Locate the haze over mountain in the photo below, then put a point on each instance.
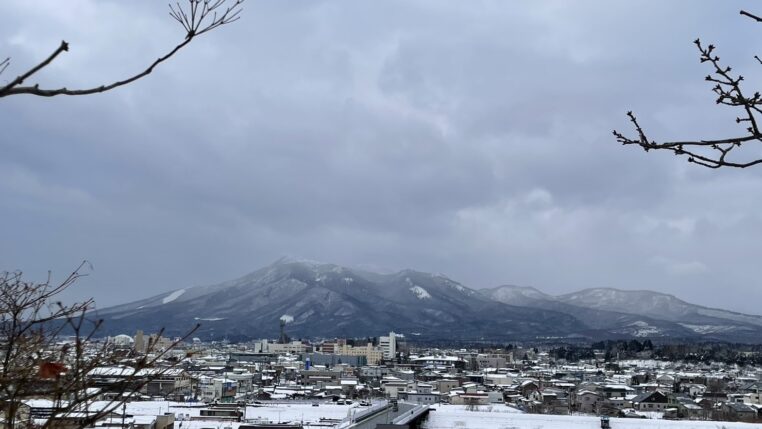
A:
(326, 300)
(639, 313)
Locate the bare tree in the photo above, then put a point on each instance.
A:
(715, 153)
(38, 362)
(35, 361)
(196, 18)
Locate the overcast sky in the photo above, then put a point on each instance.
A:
(471, 138)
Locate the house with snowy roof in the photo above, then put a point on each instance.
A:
(445, 385)
(549, 401)
(616, 390)
(652, 401)
(665, 380)
(422, 393)
(736, 411)
(393, 386)
(498, 379)
(473, 397)
(170, 383)
(688, 408)
(526, 387)
(753, 387)
(439, 362)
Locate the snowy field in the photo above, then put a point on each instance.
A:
(502, 417)
(289, 411)
(299, 412)
(441, 417)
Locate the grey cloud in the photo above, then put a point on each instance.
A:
(470, 138)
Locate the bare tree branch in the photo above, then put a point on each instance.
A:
(713, 153)
(37, 364)
(200, 17)
(752, 16)
(196, 24)
(21, 78)
(4, 64)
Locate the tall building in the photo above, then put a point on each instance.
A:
(140, 344)
(388, 345)
(157, 342)
(328, 348)
(296, 347)
(372, 354)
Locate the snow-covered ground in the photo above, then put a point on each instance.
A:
(299, 412)
(172, 296)
(289, 411)
(441, 417)
(502, 417)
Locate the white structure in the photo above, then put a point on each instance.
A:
(121, 341)
(294, 347)
(214, 389)
(388, 345)
(261, 346)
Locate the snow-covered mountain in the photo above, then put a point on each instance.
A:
(655, 304)
(638, 313)
(325, 300)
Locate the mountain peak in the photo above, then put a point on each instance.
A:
(289, 260)
(517, 295)
(327, 300)
(607, 296)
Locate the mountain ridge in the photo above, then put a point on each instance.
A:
(643, 310)
(328, 300)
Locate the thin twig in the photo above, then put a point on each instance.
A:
(750, 15)
(4, 64)
(713, 153)
(21, 78)
(203, 16)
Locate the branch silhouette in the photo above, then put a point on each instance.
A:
(714, 153)
(196, 18)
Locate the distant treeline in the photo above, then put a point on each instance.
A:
(706, 352)
(730, 353)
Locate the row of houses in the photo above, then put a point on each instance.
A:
(336, 370)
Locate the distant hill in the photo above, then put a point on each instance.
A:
(638, 313)
(326, 300)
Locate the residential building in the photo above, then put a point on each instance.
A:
(388, 345)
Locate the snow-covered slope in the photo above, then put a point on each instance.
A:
(655, 304)
(518, 295)
(638, 313)
(325, 300)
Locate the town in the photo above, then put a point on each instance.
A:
(380, 214)
(335, 382)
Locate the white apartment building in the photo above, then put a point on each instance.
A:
(294, 347)
(216, 389)
(388, 345)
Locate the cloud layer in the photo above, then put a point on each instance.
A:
(470, 138)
